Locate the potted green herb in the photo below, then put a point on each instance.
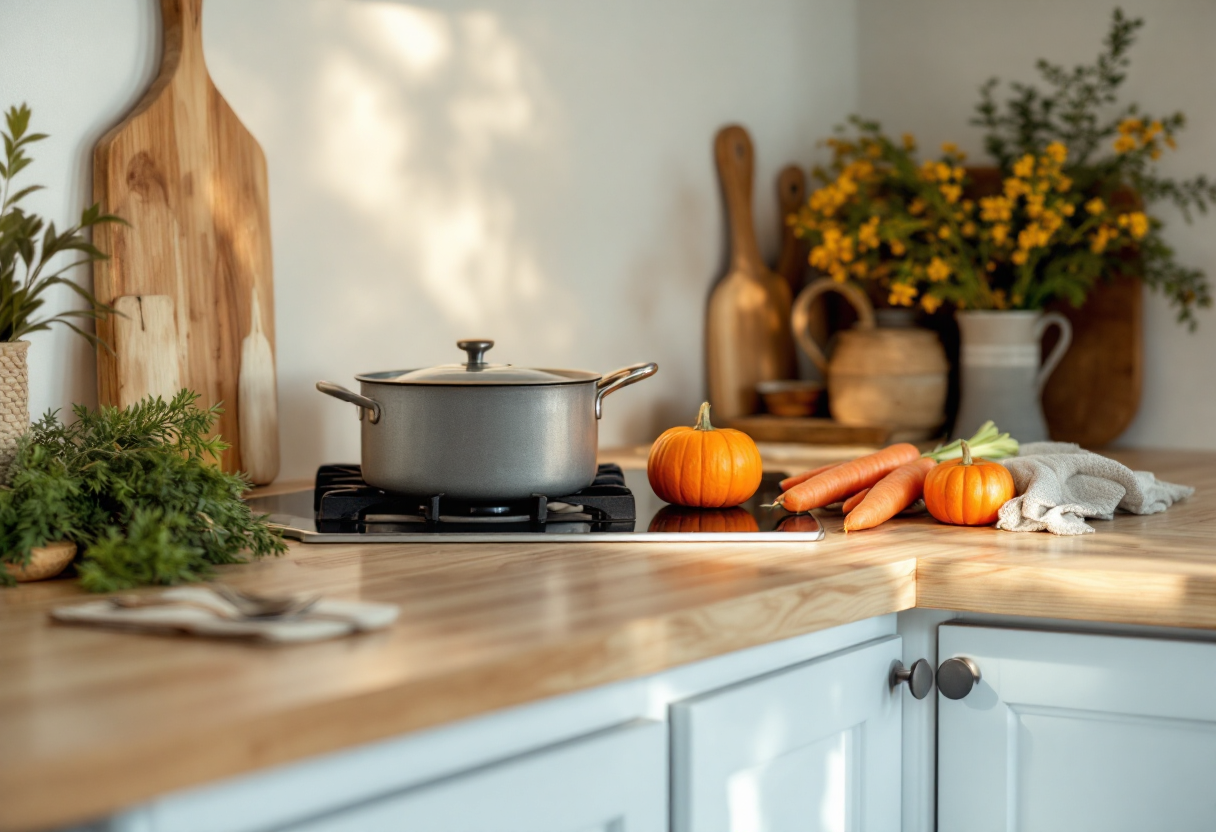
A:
(30, 265)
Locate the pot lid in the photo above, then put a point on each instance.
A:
(476, 371)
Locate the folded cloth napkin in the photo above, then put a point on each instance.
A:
(1059, 484)
(199, 610)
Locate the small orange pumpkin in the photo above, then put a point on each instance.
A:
(704, 466)
(681, 519)
(968, 492)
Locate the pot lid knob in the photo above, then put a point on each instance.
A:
(476, 351)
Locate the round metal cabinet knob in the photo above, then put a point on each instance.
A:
(919, 677)
(956, 677)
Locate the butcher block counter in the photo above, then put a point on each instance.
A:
(92, 721)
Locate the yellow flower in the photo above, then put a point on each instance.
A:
(949, 148)
(1063, 184)
(1101, 237)
(1125, 143)
(1170, 143)
(998, 299)
(930, 304)
(1000, 233)
(916, 207)
(1068, 210)
(1015, 188)
(1130, 125)
(898, 249)
(952, 193)
(909, 142)
(1155, 153)
(902, 294)
(1034, 205)
(1024, 168)
(995, 209)
(838, 273)
(938, 270)
(1152, 130)
(1019, 257)
(944, 232)
(943, 171)
(969, 229)
(867, 234)
(1058, 152)
(959, 173)
(1136, 222)
(1095, 206)
(990, 266)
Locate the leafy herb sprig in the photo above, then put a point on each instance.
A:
(134, 489)
(25, 275)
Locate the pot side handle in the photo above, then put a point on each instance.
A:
(363, 402)
(621, 378)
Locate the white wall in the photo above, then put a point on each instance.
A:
(538, 172)
(921, 64)
(79, 64)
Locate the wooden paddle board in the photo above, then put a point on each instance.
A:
(191, 181)
(747, 326)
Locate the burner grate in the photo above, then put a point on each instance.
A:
(343, 502)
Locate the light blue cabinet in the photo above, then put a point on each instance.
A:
(816, 747)
(615, 781)
(1078, 732)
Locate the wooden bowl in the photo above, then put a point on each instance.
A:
(790, 397)
(45, 562)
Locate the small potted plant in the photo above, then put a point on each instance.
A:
(30, 265)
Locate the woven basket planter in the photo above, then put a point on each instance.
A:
(14, 401)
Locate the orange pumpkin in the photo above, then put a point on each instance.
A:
(966, 491)
(681, 519)
(704, 466)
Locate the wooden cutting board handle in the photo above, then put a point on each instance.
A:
(736, 168)
(791, 196)
(191, 181)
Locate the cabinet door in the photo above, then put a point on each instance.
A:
(1077, 732)
(612, 782)
(815, 747)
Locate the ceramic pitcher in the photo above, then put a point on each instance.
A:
(894, 378)
(1001, 375)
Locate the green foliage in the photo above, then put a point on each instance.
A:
(1112, 153)
(135, 490)
(24, 259)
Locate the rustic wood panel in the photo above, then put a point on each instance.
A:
(191, 181)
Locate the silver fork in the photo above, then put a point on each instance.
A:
(252, 605)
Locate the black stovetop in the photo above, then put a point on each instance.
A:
(619, 505)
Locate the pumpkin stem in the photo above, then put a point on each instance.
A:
(703, 418)
(966, 452)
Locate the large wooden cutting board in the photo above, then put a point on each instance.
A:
(191, 181)
(747, 326)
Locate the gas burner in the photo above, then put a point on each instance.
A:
(343, 503)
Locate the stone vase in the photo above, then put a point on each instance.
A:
(1002, 375)
(14, 401)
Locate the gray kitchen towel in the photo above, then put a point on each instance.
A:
(1059, 484)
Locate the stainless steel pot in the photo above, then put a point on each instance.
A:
(482, 431)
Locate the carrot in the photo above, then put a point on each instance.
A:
(790, 482)
(893, 493)
(846, 480)
(852, 502)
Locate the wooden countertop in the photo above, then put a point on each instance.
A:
(92, 721)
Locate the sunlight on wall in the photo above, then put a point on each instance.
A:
(450, 225)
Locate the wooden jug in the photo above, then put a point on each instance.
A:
(894, 378)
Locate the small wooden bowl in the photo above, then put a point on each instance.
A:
(790, 397)
(45, 562)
